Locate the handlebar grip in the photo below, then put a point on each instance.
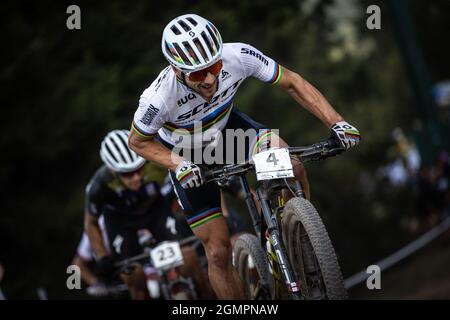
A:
(334, 143)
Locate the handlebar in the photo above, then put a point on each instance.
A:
(146, 255)
(315, 152)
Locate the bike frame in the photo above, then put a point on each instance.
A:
(269, 221)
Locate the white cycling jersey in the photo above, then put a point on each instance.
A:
(170, 108)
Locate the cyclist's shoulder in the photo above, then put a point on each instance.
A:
(99, 181)
(241, 51)
(237, 47)
(160, 88)
(232, 48)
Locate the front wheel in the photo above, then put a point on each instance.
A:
(250, 261)
(310, 252)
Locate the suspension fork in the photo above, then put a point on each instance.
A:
(251, 206)
(278, 247)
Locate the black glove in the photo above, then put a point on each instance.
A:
(105, 266)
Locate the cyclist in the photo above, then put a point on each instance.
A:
(125, 191)
(193, 97)
(84, 258)
(236, 226)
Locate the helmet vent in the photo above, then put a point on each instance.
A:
(184, 25)
(168, 50)
(192, 21)
(182, 55)
(208, 43)
(125, 145)
(175, 30)
(118, 148)
(200, 48)
(110, 152)
(191, 51)
(213, 36)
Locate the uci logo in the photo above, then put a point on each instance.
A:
(185, 99)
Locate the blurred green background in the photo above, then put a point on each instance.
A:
(63, 90)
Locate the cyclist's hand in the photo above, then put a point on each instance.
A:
(189, 175)
(347, 134)
(105, 266)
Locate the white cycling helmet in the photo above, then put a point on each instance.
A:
(116, 155)
(191, 43)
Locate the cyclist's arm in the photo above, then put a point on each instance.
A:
(309, 97)
(86, 274)
(92, 229)
(153, 151)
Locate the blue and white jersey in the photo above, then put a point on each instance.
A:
(170, 108)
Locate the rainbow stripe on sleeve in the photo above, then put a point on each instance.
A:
(277, 73)
(142, 134)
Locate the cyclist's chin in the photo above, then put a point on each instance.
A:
(207, 91)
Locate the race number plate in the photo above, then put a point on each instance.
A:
(273, 164)
(167, 255)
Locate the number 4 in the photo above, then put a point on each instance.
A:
(272, 158)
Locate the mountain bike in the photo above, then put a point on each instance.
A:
(163, 260)
(291, 255)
